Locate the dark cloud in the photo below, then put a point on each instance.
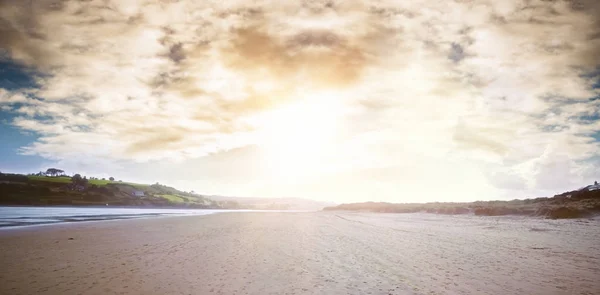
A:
(176, 53)
(22, 35)
(319, 6)
(457, 53)
(316, 38)
(320, 58)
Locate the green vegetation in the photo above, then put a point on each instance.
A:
(59, 179)
(59, 189)
(67, 179)
(174, 198)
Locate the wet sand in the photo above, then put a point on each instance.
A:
(304, 253)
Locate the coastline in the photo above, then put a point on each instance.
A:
(54, 215)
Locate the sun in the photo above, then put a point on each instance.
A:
(297, 136)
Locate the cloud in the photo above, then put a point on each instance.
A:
(498, 90)
(315, 58)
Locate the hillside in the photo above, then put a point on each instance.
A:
(584, 202)
(35, 190)
(40, 190)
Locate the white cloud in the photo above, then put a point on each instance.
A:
(481, 98)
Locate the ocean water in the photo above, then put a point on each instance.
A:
(26, 216)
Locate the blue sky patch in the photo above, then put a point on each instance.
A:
(11, 140)
(14, 76)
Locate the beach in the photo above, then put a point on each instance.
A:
(304, 253)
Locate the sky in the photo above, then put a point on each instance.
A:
(343, 101)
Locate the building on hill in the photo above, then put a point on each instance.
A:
(138, 193)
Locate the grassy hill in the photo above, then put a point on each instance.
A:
(16, 189)
(67, 180)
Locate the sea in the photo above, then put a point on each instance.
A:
(28, 216)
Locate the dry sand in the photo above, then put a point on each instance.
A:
(304, 253)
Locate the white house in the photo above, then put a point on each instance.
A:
(138, 193)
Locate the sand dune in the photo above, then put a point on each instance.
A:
(304, 253)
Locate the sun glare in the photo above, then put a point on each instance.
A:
(295, 136)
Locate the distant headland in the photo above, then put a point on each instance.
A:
(581, 203)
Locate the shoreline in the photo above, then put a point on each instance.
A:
(11, 217)
(84, 222)
(27, 225)
(78, 217)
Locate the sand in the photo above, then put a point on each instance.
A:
(304, 253)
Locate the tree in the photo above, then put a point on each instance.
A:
(111, 179)
(54, 172)
(78, 180)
